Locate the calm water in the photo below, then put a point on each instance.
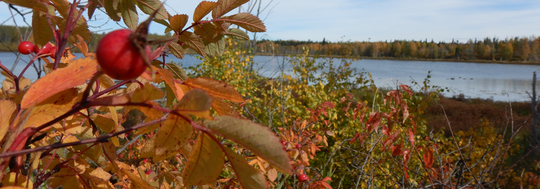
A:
(501, 82)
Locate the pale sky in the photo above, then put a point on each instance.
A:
(373, 20)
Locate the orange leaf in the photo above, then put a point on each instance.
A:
(226, 6)
(203, 9)
(246, 21)
(53, 107)
(178, 22)
(6, 113)
(136, 180)
(169, 80)
(249, 177)
(193, 41)
(222, 108)
(196, 102)
(216, 88)
(257, 138)
(411, 137)
(205, 162)
(75, 74)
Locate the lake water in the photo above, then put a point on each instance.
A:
(500, 82)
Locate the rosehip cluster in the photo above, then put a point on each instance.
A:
(27, 47)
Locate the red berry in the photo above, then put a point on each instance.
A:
(118, 57)
(26, 47)
(53, 52)
(149, 171)
(36, 49)
(46, 49)
(303, 177)
(298, 146)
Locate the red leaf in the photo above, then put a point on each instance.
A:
(411, 137)
(396, 150)
(428, 157)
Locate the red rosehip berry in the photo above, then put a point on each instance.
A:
(53, 52)
(118, 57)
(298, 146)
(26, 47)
(46, 48)
(303, 178)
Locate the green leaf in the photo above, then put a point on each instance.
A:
(216, 88)
(246, 21)
(112, 9)
(203, 9)
(249, 177)
(178, 22)
(205, 162)
(215, 49)
(177, 50)
(45, 34)
(237, 34)
(129, 14)
(150, 6)
(257, 138)
(226, 6)
(193, 41)
(177, 71)
(173, 134)
(196, 102)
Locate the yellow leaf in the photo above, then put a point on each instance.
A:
(9, 180)
(257, 138)
(249, 177)
(109, 151)
(216, 88)
(7, 113)
(205, 162)
(98, 175)
(136, 180)
(222, 108)
(53, 107)
(173, 134)
(59, 80)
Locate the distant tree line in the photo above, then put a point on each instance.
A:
(493, 49)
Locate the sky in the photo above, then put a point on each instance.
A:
(371, 20)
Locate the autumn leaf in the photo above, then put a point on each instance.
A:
(150, 6)
(39, 20)
(203, 9)
(246, 21)
(52, 107)
(237, 34)
(205, 162)
(226, 6)
(177, 22)
(222, 108)
(193, 41)
(136, 180)
(249, 177)
(216, 88)
(177, 50)
(170, 81)
(196, 102)
(33, 4)
(173, 134)
(257, 138)
(77, 73)
(129, 14)
(6, 114)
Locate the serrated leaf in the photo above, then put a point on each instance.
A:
(98, 175)
(222, 108)
(193, 41)
(246, 21)
(150, 6)
(257, 138)
(75, 74)
(33, 4)
(207, 31)
(226, 6)
(53, 107)
(177, 22)
(136, 180)
(7, 112)
(173, 134)
(45, 34)
(203, 9)
(249, 177)
(177, 71)
(129, 14)
(170, 81)
(196, 102)
(237, 34)
(205, 162)
(177, 50)
(109, 150)
(215, 49)
(216, 88)
(111, 7)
